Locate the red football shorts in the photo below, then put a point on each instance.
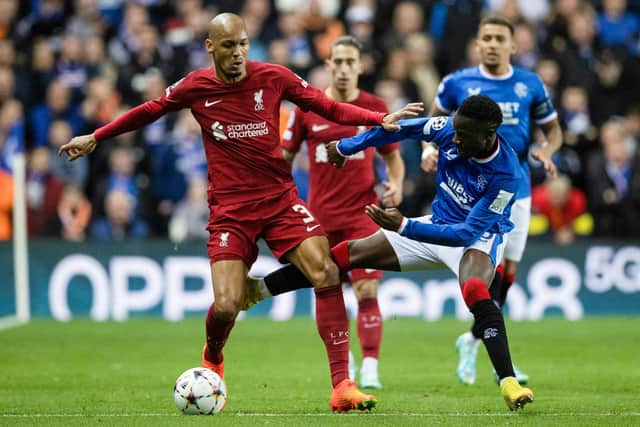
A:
(283, 222)
(356, 228)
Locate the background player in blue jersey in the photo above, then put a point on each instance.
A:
(521, 96)
(477, 179)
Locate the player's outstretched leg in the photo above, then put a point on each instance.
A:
(218, 331)
(489, 324)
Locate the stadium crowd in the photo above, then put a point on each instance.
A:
(67, 67)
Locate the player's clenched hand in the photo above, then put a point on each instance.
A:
(412, 109)
(78, 146)
(389, 218)
(429, 163)
(545, 159)
(333, 156)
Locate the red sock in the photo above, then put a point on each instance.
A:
(369, 327)
(217, 333)
(340, 255)
(474, 290)
(333, 326)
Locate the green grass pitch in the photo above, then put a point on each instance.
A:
(83, 373)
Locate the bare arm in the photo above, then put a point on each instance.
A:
(288, 155)
(395, 172)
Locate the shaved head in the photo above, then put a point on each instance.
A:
(225, 23)
(228, 44)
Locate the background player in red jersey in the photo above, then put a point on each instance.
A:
(337, 197)
(251, 192)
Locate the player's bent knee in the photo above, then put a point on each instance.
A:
(227, 308)
(325, 275)
(366, 289)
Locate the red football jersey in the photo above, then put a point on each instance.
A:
(335, 195)
(239, 124)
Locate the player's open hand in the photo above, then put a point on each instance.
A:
(392, 195)
(388, 218)
(412, 109)
(333, 156)
(78, 147)
(549, 167)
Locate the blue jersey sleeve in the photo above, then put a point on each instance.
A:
(436, 129)
(489, 210)
(542, 108)
(446, 97)
(377, 137)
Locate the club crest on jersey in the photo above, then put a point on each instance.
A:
(481, 184)
(224, 239)
(257, 97)
(520, 90)
(473, 91)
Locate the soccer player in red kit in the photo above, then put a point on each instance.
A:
(337, 197)
(251, 192)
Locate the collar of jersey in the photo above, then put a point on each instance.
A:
(486, 75)
(491, 157)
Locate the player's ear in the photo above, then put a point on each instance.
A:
(208, 45)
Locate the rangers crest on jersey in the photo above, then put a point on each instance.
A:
(521, 90)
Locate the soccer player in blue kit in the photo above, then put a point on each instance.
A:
(477, 179)
(521, 96)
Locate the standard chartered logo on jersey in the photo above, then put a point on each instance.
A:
(510, 112)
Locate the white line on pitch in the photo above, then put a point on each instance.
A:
(372, 414)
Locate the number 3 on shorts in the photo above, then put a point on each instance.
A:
(304, 211)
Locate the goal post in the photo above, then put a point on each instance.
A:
(20, 247)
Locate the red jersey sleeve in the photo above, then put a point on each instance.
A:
(295, 133)
(308, 98)
(174, 98)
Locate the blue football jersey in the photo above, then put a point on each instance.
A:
(473, 196)
(521, 96)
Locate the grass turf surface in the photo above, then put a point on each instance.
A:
(85, 373)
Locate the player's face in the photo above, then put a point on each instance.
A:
(473, 138)
(344, 65)
(229, 48)
(495, 44)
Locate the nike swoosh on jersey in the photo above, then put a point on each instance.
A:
(319, 128)
(209, 104)
(310, 228)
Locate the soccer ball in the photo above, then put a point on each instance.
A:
(200, 391)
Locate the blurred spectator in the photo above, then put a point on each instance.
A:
(577, 58)
(558, 23)
(549, 73)
(8, 14)
(279, 52)
(74, 213)
(75, 172)
(613, 183)
(617, 27)
(532, 11)
(86, 21)
(7, 84)
(407, 19)
(101, 103)
(301, 54)
(97, 61)
(43, 191)
(71, 69)
(151, 56)
(120, 221)
(11, 133)
(6, 205)
(20, 74)
(527, 54)
(579, 132)
(559, 205)
(191, 216)
(397, 69)
(57, 106)
(422, 70)
(42, 69)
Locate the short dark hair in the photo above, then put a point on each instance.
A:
(346, 41)
(496, 20)
(481, 107)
